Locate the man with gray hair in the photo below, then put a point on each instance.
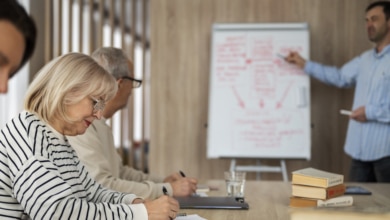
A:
(96, 147)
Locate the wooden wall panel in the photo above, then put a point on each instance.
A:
(180, 62)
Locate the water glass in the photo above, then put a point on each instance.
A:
(235, 183)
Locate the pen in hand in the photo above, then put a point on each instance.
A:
(182, 174)
(165, 191)
(281, 56)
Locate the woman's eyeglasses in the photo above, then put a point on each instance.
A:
(98, 105)
(136, 83)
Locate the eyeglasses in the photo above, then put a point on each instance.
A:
(136, 83)
(98, 105)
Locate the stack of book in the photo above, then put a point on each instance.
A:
(316, 188)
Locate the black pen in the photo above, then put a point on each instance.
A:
(182, 174)
(181, 214)
(165, 191)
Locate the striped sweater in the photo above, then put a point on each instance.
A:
(42, 178)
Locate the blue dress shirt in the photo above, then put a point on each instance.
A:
(370, 74)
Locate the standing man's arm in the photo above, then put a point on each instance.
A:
(378, 109)
(340, 77)
(343, 77)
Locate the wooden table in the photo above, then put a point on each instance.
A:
(269, 200)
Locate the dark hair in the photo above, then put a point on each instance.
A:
(384, 4)
(13, 12)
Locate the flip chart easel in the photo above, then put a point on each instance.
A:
(259, 105)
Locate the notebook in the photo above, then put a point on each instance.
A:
(196, 202)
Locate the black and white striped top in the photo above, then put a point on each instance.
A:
(42, 178)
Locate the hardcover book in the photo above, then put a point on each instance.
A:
(314, 177)
(318, 192)
(340, 201)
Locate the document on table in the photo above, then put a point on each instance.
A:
(201, 194)
(190, 217)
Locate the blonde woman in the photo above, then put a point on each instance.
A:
(40, 174)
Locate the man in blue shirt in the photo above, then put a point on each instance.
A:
(368, 136)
